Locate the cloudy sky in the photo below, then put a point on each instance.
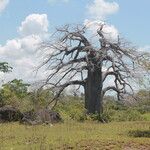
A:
(25, 23)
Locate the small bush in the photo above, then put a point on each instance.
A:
(105, 117)
(117, 111)
(146, 116)
(139, 133)
(72, 109)
(93, 117)
(127, 115)
(114, 105)
(143, 109)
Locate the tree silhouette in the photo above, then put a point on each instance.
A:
(73, 59)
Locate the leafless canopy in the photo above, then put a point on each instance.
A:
(70, 55)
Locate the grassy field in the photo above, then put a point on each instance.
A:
(73, 135)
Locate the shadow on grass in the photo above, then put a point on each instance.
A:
(139, 133)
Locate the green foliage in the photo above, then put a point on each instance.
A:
(114, 105)
(146, 116)
(143, 108)
(104, 117)
(13, 92)
(4, 67)
(42, 98)
(16, 93)
(117, 111)
(127, 115)
(16, 87)
(72, 108)
(143, 97)
(143, 101)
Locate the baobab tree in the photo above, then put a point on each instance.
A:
(73, 59)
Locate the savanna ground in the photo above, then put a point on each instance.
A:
(74, 135)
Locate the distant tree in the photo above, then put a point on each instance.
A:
(15, 87)
(4, 67)
(13, 91)
(74, 60)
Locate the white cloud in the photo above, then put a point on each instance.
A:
(109, 31)
(20, 52)
(30, 43)
(11, 48)
(36, 24)
(3, 4)
(18, 47)
(100, 9)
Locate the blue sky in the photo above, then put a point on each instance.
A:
(132, 19)
(25, 23)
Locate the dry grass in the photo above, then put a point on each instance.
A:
(73, 135)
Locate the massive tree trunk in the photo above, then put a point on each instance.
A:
(93, 90)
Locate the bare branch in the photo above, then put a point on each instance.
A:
(71, 52)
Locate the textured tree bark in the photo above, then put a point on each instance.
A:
(93, 90)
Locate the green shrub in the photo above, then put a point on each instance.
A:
(114, 105)
(146, 116)
(138, 133)
(127, 115)
(106, 116)
(143, 109)
(72, 109)
(93, 117)
(117, 111)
